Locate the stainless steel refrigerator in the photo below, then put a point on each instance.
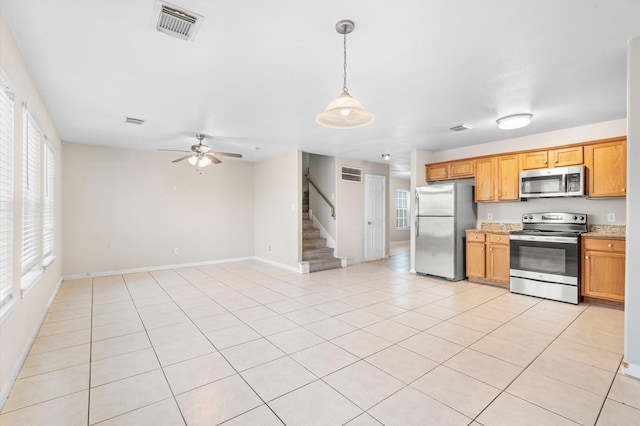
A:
(443, 212)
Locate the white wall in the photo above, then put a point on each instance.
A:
(632, 267)
(278, 210)
(397, 235)
(350, 221)
(127, 209)
(323, 173)
(19, 326)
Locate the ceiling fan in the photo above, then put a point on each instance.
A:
(202, 155)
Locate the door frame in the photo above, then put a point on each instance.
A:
(367, 195)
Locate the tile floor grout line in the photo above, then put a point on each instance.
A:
(90, 353)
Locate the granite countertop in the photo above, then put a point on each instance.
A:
(606, 231)
(497, 228)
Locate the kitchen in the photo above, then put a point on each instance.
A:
(594, 173)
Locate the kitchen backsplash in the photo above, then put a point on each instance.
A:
(597, 210)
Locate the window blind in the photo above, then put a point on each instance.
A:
(6, 192)
(49, 178)
(30, 194)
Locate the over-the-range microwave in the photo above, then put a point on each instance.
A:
(558, 182)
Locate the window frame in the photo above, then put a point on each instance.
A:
(48, 206)
(402, 220)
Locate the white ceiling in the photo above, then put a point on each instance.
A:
(258, 72)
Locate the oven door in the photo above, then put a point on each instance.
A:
(545, 258)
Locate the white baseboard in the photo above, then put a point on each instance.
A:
(400, 242)
(354, 261)
(6, 389)
(280, 265)
(156, 268)
(632, 370)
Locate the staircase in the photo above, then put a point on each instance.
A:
(314, 247)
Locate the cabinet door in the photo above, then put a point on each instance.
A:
(475, 260)
(508, 177)
(485, 179)
(607, 169)
(534, 160)
(566, 157)
(462, 169)
(603, 275)
(499, 263)
(437, 171)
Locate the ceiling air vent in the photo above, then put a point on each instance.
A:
(131, 120)
(351, 174)
(461, 127)
(175, 22)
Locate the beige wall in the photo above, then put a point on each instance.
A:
(396, 235)
(127, 209)
(20, 325)
(323, 173)
(278, 209)
(350, 220)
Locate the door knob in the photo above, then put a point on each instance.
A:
(369, 223)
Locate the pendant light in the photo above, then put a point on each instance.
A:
(345, 112)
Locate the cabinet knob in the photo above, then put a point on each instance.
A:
(545, 161)
(609, 245)
(586, 257)
(623, 190)
(499, 195)
(491, 249)
(556, 161)
(499, 238)
(482, 249)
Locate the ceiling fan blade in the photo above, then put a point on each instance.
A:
(213, 158)
(182, 158)
(227, 154)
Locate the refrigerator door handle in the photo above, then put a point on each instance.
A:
(417, 227)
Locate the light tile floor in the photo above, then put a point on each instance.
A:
(250, 344)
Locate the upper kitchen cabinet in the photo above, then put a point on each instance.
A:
(561, 157)
(450, 170)
(606, 164)
(497, 178)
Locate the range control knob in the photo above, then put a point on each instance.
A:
(581, 217)
(575, 218)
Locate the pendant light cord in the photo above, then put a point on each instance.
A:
(344, 83)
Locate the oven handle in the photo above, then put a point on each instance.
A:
(571, 240)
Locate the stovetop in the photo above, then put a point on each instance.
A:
(546, 233)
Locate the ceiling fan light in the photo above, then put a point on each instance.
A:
(514, 121)
(193, 160)
(345, 112)
(204, 161)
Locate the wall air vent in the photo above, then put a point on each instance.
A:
(461, 127)
(176, 22)
(351, 174)
(131, 120)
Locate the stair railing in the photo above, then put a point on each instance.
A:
(333, 209)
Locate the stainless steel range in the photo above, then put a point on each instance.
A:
(545, 256)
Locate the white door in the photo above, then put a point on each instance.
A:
(375, 207)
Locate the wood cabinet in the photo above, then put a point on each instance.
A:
(606, 168)
(488, 257)
(603, 269)
(450, 170)
(561, 157)
(497, 178)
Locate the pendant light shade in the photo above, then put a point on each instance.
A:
(345, 112)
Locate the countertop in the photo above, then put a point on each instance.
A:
(594, 231)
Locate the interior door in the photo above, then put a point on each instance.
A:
(374, 198)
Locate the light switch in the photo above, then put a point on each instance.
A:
(489, 216)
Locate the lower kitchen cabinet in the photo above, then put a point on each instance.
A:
(488, 257)
(603, 269)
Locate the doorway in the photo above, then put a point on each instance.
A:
(375, 216)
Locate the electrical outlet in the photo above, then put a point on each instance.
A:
(176, 250)
(269, 248)
(611, 217)
(489, 216)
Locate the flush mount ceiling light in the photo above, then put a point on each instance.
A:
(345, 112)
(386, 156)
(514, 121)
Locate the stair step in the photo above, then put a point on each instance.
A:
(316, 265)
(310, 233)
(317, 253)
(313, 243)
(305, 215)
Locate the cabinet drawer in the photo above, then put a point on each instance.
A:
(601, 244)
(475, 236)
(499, 238)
